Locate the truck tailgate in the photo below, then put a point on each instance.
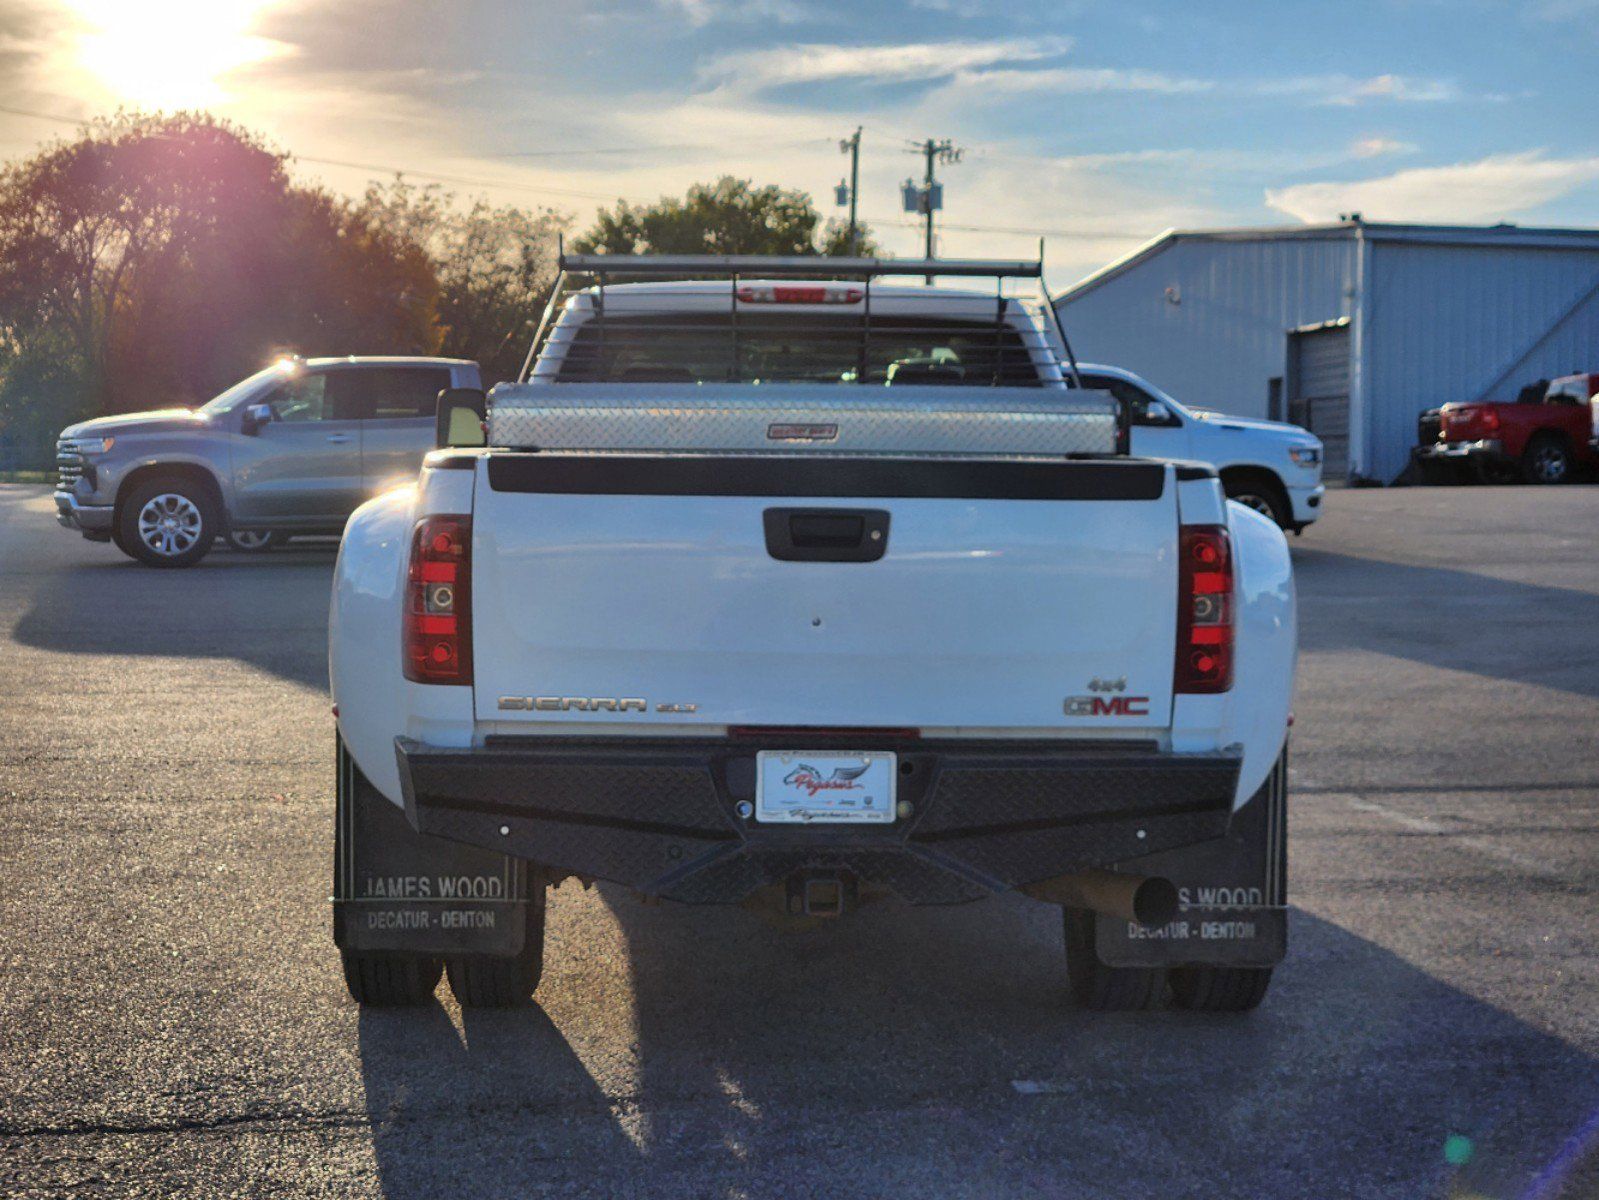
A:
(1005, 591)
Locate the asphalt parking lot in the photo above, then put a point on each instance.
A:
(175, 1020)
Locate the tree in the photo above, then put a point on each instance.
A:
(153, 260)
(495, 267)
(730, 216)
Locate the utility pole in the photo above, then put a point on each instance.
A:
(852, 147)
(930, 196)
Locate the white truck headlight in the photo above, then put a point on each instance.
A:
(1305, 456)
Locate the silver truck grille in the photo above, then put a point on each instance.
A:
(69, 467)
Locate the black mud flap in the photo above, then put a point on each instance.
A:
(398, 890)
(1233, 892)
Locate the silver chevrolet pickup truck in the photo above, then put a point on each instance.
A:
(293, 449)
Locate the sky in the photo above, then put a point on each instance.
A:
(1094, 125)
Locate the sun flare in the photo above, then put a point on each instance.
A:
(169, 53)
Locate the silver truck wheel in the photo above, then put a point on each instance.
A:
(252, 541)
(1262, 496)
(1546, 460)
(1097, 986)
(167, 523)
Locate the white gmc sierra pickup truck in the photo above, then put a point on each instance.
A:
(760, 588)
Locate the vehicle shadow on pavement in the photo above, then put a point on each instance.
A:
(880, 1056)
(521, 1100)
(266, 611)
(1419, 612)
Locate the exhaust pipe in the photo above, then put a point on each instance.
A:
(1148, 900)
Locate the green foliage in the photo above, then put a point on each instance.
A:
(495, 268)
(152, 261)
(730, 216)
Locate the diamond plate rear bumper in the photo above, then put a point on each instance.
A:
(661, 816)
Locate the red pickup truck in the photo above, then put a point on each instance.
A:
(1545, 436)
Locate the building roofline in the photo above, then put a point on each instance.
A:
(1501, 234)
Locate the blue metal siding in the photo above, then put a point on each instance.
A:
(1466, 323)
(1223, 340)
(1449, 315)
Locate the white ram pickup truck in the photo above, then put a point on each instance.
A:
(768, 590)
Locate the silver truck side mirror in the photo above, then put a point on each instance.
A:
(255, 416)
(461, 416)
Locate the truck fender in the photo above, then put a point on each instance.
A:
(374, 701)
(1266, 633)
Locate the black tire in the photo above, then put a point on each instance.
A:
(1262, 495)
(1219, 989)
(1546, 460)
(170, 511)
(254, 541)
(1096, 986)
(380, 980)
(483, 981)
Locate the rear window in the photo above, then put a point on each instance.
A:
(782, 347)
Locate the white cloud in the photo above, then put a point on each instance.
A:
(954, 8)
(1377, 146)
(1347, 91)
(704, 12)
(1068, 80)
(1490, 189)
(908, 62)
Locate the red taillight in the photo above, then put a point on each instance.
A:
(1204, 610)
(766, 293)
(438, 610)
(1471, 420)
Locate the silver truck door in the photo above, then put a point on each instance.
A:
(302, 469)
(397, 406)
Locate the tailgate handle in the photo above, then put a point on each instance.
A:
(826, 534)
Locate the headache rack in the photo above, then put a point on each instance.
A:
(842, 338)
(828, 359)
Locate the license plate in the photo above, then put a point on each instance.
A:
(824, 787)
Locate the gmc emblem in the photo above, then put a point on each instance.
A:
(1107, 706)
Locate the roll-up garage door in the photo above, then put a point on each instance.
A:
(1318, 374)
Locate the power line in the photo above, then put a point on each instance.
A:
(699, 147)
(43, 116)
(477, 181)
(463, 180)
(1024, 230)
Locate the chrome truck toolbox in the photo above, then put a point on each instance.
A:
(803, 418)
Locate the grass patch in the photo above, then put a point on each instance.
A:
(27, 476)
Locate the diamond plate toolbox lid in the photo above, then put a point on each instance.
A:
(796, 418)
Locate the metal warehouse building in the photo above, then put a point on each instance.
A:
(1350, 329)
